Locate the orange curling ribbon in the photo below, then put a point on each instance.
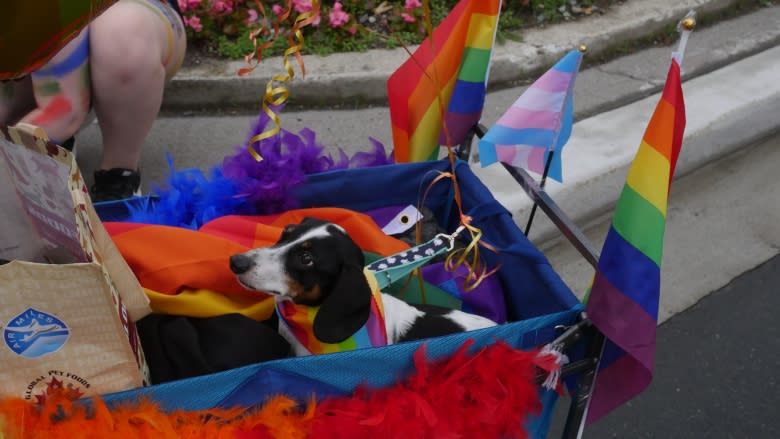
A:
(468, 256)
(276, 95)
(258, 48)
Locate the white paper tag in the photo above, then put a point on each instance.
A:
(405, 220)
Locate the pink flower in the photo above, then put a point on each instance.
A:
(222, 7)
(407, 18)
(252, 18)
(352, 30)
(192, 4)
(183, 5)
(278, 9)
(302, 6)
(194, 23)
(412, 4)
(337, 16)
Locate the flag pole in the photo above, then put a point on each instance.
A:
(547, 165)
(685, 27)
(541, 186)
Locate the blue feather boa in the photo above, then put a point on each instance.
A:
(243, 186)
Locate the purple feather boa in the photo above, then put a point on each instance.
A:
(244, 186)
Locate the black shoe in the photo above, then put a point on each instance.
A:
(115, 184)
(69, 144)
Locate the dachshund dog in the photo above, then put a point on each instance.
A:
(316, 263)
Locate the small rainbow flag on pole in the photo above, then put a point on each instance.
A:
(624, 296)
(447, 75)
(538, 124)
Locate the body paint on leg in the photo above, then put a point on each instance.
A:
(58, 107)
(48, 88)
(75, 60)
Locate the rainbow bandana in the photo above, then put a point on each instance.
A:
(299, 319)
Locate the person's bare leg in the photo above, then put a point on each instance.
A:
(62, 91)
(128, 45)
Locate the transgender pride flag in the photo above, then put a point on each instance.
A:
(538, 124)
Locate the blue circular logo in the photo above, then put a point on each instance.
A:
(34, 333)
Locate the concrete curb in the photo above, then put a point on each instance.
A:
(725, 112)
(360, 78)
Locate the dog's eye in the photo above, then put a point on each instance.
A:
(306, 259)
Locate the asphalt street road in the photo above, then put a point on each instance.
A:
(715, 371)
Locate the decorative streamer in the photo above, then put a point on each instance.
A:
(276, 95)
(476, 273)
(258, 48)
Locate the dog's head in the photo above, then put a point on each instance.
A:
(314, 263)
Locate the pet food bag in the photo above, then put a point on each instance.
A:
(68, 300)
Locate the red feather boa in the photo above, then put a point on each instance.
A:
(487, 394)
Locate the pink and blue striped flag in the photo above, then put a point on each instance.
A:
(624, 296)
(538, 124)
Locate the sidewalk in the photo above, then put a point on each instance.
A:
(360, 78)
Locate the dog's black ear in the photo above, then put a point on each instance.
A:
(346, 308)
(347, 302)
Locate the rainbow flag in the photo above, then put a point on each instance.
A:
(448, 75)
(538, 124)
(624, 296)
(299, 320)
(31, 33)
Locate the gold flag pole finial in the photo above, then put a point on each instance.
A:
(688, 23)
(583, 48)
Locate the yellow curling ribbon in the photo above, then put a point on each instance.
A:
(276, 95)
(476, 271)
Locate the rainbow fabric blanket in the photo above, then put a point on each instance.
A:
(186, 272)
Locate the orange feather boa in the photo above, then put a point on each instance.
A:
(487, 394)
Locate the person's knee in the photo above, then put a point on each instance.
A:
(124, 47)
(134, 64)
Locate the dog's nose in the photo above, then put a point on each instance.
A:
(240, 264)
